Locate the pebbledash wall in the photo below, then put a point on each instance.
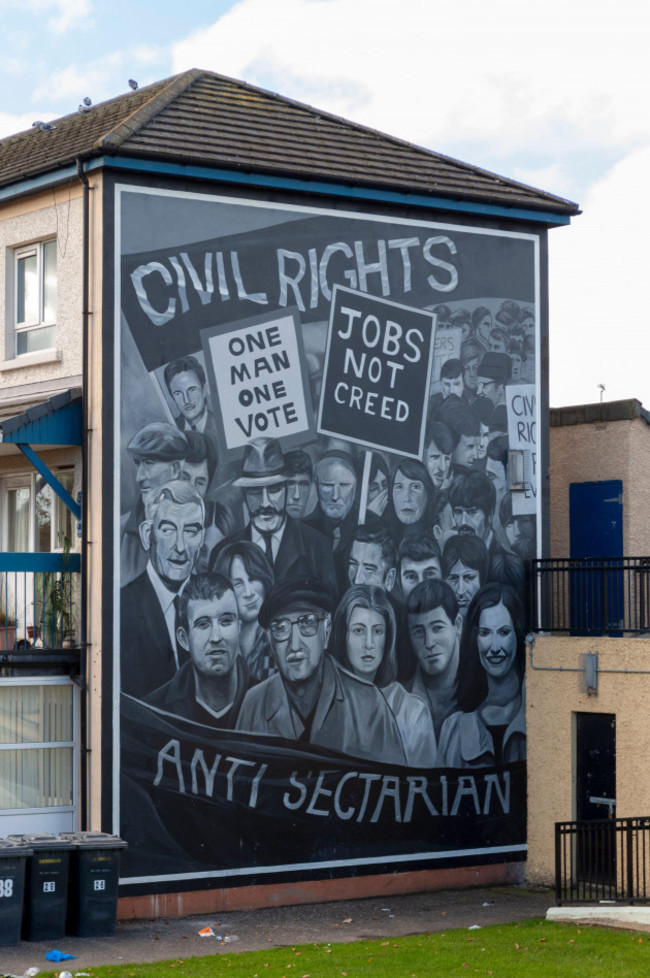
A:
(592, 442)
(235, 817)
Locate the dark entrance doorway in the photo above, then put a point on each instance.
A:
(596, 532)
(596, 795)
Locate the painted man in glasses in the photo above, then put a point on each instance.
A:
(311, 699)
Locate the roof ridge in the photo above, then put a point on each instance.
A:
(139, 118)
(350, 124)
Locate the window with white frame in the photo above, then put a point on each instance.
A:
(35, 297)
(36, 520)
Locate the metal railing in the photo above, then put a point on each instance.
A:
(590, 596)
(40, 598)
(603, 860)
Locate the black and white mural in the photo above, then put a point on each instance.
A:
(326, 474)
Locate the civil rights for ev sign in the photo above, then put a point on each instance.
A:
(377, 373)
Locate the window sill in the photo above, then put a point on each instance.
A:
(31, 360)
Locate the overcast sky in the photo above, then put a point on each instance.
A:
(554, 94)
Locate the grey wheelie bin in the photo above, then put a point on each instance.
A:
(13, 859)
(94, 877)
(46, 886)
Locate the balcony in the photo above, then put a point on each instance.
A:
(590, 596)
(40, 602)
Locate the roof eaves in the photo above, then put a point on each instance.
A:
(116, 137)
(537, 204)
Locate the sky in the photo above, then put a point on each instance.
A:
(553, 93)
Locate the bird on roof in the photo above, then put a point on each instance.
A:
(43, 126)
(133, 84)
(83, 108)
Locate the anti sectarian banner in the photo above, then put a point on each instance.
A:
(221, 801)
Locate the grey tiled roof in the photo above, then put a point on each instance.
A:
(204, 119)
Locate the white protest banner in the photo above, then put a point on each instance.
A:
(258, 374)
(521, 404)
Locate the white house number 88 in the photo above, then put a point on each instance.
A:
(6, 888)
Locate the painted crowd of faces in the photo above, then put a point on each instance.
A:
(426, 593)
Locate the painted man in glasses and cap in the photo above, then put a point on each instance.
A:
(290, 546)
(312, 699)
(494, 372)
(158, 451)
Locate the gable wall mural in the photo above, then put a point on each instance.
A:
(319, 560)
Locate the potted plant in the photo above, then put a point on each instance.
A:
(56, 607)
(7, 631)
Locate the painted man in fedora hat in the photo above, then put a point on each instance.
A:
(290, 546)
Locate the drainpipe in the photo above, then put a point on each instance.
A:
(81, 173)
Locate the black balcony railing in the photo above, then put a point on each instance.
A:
(603, 860)
(590, 596)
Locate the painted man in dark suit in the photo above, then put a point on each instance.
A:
(210, 686)
(172, 535)
(312, 699)
(187, 385)
(337, 513)
(291, 546)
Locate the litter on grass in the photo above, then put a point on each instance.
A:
(474, 927)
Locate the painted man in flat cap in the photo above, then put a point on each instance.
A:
(291, 546)
(158, 451)
(312, 699)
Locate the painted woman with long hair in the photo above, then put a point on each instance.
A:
(489, 729)
(409, 499)
(247, 568)
(363, 641)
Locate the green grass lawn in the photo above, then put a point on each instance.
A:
(533, 948)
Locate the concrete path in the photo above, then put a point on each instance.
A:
(351, 920)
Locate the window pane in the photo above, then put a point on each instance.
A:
(32, 340)
(27, 289)
(36, 778)
(43, 534)
(64, 518)
(35, 714)
(49, 282)
(18, 508)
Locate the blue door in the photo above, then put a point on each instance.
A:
(596, 532)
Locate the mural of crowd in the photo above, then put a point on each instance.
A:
(253, 598)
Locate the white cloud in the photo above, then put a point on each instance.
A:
(600, 328)
(62, 15)
(415, 70)
(69, 13)
(10, 124)
(97, 78)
